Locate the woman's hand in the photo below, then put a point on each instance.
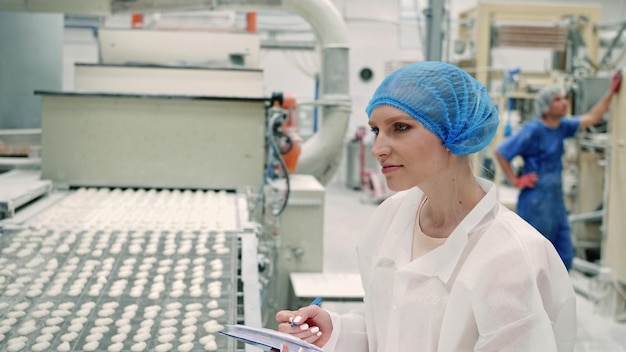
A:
(311, 324)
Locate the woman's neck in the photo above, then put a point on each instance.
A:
(447, 204)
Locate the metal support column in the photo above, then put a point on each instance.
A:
(434, 32)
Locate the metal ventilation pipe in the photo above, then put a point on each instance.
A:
(321, 154)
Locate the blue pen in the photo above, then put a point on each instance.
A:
(316, 302)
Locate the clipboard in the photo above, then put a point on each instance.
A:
(267, 338)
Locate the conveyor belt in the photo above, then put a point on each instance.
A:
(119, 270)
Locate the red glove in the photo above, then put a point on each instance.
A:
(526, 181)
(616, 81)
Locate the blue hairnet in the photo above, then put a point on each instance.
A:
(446, 100)
(544, 97)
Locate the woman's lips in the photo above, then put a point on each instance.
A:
(390, 168)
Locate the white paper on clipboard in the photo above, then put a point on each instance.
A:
(268, 338)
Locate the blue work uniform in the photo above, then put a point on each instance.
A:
(541, 147)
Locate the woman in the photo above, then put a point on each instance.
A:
(444, 266)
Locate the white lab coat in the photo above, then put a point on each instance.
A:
(496, 284)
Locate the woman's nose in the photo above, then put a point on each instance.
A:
(380, 147)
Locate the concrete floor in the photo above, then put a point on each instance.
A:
(345, 214)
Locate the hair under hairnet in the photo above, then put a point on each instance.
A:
(544, 97)
(446, 100)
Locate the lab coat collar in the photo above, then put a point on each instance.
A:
(441, 261)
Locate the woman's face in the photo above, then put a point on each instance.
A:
(407, 151)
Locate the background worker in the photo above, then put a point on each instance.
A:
(540, 143)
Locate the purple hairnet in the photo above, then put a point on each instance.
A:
(446, 100)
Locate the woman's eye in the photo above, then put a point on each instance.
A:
(374, 130)
(401, 127)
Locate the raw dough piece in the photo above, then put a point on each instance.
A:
(60, 313)
(103, 321)
(27, 329)
(106, 313)
(44, 337)
(193, 307)
(216, 313)
(12, 292)
(15, 346)
(173, 313)
(83, 312)
(166, 338)
(193, 314)
(21, 306)
(45, 305)
(41, 346)
(147, 323)
(187, 338)
(34, 292)
(189, 321)
(122, 322)
(110, 305)
(199, 260)
(144, 330)
(116, 347)
(189, 330)
(76, 327)
(150, 314)
(50, 330)
(54, 321)
(70, 336)
(167, 330)
(169, 322)
(211, 346)
(163, 347)
(64, 347)
(139, 346)
(8, 321)
(99, 330)
(66, 305)
(16, 314)
(94, 337)
(91, 346)
(206, 339)
(185, 347)
(118, 338)
(124, 329)
(140, 337)
(79, 320)
(212, 326)
(174, 305)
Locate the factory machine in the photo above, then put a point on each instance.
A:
(137, 236)
(162, 211)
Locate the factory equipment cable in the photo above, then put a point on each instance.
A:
(276, 117)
